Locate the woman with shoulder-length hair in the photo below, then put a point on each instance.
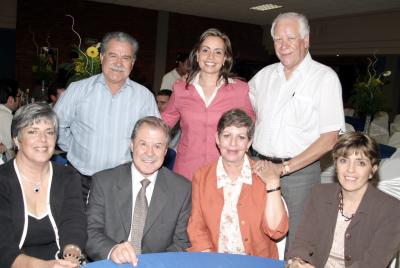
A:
(41, 209)
(199, 102)
(350, 223)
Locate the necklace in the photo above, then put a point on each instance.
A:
(36, 185)
(341, 208)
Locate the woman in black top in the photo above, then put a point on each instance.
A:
(41, 209)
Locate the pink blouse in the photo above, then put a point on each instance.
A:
(198, 123)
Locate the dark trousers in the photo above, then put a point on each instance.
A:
(85, 181)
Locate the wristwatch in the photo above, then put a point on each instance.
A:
(286, 167)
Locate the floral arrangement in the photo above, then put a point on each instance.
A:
(44, 62)
(369, 97)
(87, 63)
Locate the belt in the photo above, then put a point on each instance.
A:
(275, 160)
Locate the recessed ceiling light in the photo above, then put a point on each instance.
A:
(265, 7)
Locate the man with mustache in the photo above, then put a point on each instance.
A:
(97, 114)
(139, 207)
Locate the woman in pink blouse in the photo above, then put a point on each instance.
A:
(199, 102)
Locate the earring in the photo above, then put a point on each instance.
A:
(370, 176)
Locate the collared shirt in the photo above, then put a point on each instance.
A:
(199, 123)
(200, 90)
(169, 79)
(5, 130)
(137, 177)
(291, 114)
(230, 237)
(95, 127)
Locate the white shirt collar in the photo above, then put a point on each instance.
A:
(5, 108)
(221, 81)
(223, 178)
(137, 177)
(200, 91)
(302, 68)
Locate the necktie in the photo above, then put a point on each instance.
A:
(139, 217)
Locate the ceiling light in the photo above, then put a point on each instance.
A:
(265, 7)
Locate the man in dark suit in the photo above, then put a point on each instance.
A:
(139, 207)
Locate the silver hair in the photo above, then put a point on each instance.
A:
(30, 114)
(122, 37)
(154, 122)
(301, 19)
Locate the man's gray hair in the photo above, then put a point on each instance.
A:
(30, 114)
(153, 122)
(122, 37)
(301, 19)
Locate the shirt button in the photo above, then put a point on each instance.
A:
(243, 222)
(347, 236)
(347, 258)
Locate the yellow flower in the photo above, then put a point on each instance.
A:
(92, 51)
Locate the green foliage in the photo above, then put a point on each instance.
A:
(368, 96)
(85, 65)
(42, 67)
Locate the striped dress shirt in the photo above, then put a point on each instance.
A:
(95, 127)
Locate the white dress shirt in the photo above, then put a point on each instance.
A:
(291, 114)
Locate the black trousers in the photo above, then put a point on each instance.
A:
(86, 182)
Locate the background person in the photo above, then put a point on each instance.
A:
(199, 102)
(10, 100)
(41, 209)
(298, 103)
(179, 72)
(54, 93)
(237, 205)
(162, 99)
(350, 223)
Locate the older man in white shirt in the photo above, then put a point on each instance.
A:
(298, 103)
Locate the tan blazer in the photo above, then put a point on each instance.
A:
(207, 205)
(371, 239)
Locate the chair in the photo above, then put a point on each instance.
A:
(379, 128)
(328, 172)
(394, 140)
(395, 125)
(389, 182)
(169, 159)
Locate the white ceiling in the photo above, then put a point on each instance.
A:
(238, 10)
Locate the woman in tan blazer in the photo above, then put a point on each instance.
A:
(236, 203)
(350, 223)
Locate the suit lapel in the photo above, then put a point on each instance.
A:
(158, 200)
(123, 192)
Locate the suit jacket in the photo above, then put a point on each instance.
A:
(66, 208)
(208, 202)
(371, 240)
(110, 212)
(198, 123)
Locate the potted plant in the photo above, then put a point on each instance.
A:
(368, 96)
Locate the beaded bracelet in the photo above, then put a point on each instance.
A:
(73, 256)
(273, 190)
